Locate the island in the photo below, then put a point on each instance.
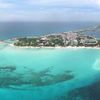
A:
(64, 39)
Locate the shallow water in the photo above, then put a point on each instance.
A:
(45, 74)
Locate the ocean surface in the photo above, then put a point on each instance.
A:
(20, 29)
(47, 73)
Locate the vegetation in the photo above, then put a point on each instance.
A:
(40, 41)
(26, 42)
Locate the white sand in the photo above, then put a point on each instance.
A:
(59, 47)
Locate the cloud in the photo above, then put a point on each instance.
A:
(61, 2)
(97, 2)
(5, 5)
(50, 10)
(50, 16)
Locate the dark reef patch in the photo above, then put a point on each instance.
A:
(10, 77)
(44, 77)
(91, 92)
(7, 68)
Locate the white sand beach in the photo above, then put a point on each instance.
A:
(57, 47)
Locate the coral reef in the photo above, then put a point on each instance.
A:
(7, 68)
(9, 77)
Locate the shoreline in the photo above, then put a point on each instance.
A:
(58, 47)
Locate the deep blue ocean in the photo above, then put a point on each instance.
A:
(20, 29)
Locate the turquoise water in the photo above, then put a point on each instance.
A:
(45, 74)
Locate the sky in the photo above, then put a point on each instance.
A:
(49, 10)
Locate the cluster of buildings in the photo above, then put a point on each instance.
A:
(77, 39)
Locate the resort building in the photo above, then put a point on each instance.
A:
(91, 42)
